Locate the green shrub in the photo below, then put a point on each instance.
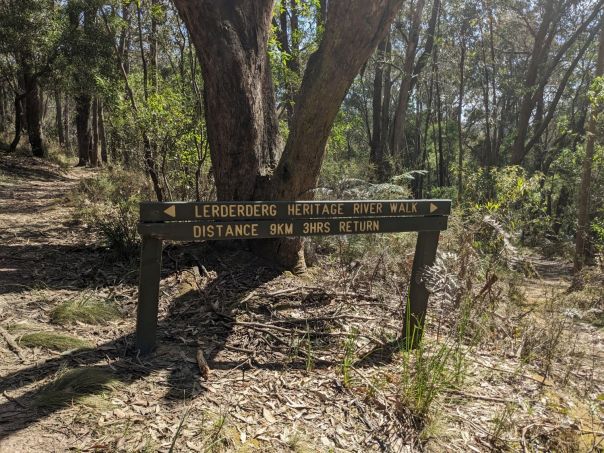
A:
(109, 204)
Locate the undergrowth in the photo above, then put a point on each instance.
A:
(86, 310)
(74, 386)
(53, 341)
(109, 204)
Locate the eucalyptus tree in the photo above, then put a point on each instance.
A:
(231, 39)
(29, 37)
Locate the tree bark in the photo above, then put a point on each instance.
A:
(59, 118)
(400, 114)
(66, 123)
(412, 70)
(18, 123)
(3, 108)
(83, 102)
(94, 148)
(102, 134)
(231, 40)
(385, 116)
(33, 112)
(582, 235)
(376, 154)
(462, 67)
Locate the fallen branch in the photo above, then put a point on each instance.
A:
(260, 326)
(12, 344)
(481, 397)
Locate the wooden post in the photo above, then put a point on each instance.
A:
(417, 301)
(148, 294)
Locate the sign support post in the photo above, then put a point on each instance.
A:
(417, 302)
(148, 294)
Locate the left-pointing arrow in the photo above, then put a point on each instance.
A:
(171, 211)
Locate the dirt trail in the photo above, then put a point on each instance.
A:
(270, 389)
(260, 396)
(35, 217)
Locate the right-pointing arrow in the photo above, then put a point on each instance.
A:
(433, 208)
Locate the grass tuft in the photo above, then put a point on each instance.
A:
(76, 385)
(52, 340)
(86, 310)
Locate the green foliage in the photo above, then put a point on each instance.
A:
(109, 203)
(513, 198)
(426, 372)
(350, 349)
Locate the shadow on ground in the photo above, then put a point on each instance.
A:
(176, 342)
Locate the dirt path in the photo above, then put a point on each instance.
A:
(275, 345)
(260, 396)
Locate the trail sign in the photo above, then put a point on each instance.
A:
(212, 221)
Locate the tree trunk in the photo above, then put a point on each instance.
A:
(82, 120)
(231, 40)
(59, 118)
(66, 123)
(124, 39)
(384, 171)
(3, 109)
(411, 71)
(462, 66)
(582, 235)
(33, 112)
(439, 120)
(18, 123)
(94, 148)
(400, 114)
(102, 134)
(376, 155)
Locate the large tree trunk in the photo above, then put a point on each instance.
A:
(231, 42)
(412, 69)
(83, 102)
(585, 189)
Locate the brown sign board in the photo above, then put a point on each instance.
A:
(183, 211)
(263, 229)
(214, 221)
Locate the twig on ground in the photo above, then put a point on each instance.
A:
(12, 344)
(481, 397)
(14, 400)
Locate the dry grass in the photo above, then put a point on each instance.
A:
(86, 310)
(53, 341)
(76, 385)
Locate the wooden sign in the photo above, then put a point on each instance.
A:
(154, 212)
(214, 221)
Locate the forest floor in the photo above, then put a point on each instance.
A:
(283, 375)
